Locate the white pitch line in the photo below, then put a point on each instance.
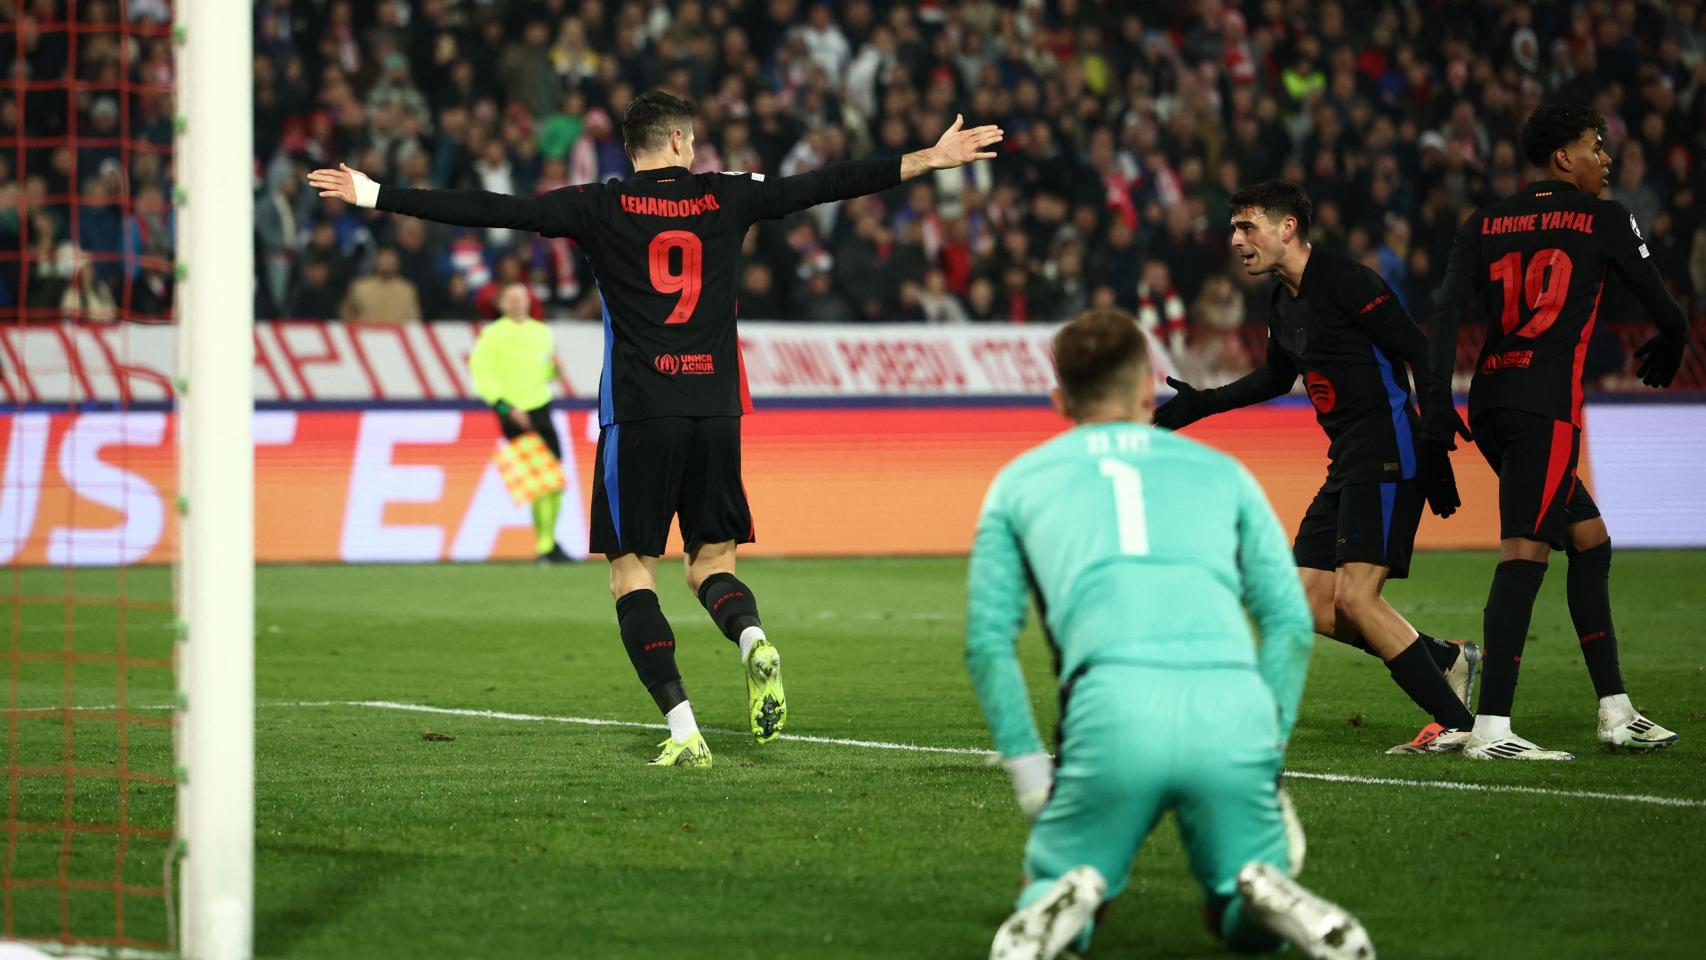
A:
(1497, 788)
(1684, 802)
(969, 751)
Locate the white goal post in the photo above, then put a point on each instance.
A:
(215, 746)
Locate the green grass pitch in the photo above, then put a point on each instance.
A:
(526, 837)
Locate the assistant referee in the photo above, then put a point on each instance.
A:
(513, 363)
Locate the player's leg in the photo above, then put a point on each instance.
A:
(1368, 533)
(1111, 781)
(1236, 836)
(715, 519)
(631, 489)
(1535, 460)
(1315, 550)
(548, 506)
(1588, 590)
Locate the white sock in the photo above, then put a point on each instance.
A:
(1617, 705)
(748, 637)
(681, 722)
(1492, 728)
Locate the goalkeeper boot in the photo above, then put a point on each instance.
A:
(692, 752)
(767, 706)
(1465, 671)
(1044, 929)
(1621, 727)
(1509, 746)
(1318, 929)
(1433, 738)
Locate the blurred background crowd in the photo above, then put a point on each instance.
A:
(1128, 125)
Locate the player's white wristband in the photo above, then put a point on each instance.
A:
(366, 190)
(1032, 775)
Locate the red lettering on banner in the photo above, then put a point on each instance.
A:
(453, 373)
(401, 335)
(74, 362)
(802, 363)
(122, 372)
(264, 362)
(25, 384)
(900, 366)
(1012, 366)
(299, 362)
(354, 334)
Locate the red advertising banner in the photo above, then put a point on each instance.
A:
(388, 485)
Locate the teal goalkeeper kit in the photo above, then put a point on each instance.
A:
(1144, 550)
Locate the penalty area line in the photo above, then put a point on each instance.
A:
(393, 705)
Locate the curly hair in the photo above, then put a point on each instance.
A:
(1556, 125)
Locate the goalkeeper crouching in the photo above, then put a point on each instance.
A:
(1145, 551)
(513, 363)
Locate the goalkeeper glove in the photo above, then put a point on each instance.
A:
(1436, 478)
(1033, 778)
(1187, 407)
(1660, 358)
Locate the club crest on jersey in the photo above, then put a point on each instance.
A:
(1321, 392)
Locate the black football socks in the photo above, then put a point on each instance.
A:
(1588, 588)
(651, 647)
(1510, 605)
(730, 604)
(1414, 671)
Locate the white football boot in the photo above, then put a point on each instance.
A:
(1043, 930)
(1509, 747)
(1320, 930)
(1621, 727)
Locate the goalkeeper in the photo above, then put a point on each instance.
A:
(513, 363)
(1144, 550)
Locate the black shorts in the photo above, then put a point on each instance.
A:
(542, 425)
(649, 471)
(1535, 458)
(1361, 523)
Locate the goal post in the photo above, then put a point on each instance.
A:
(216, 647)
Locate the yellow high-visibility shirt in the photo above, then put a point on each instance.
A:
(514, 361)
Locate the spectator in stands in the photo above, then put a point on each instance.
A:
(385, 296)
(758, 297)
(417, 262)
(934, 303)
(457, 302)
(88, 298)
(817, 300)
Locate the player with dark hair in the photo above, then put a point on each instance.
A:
(665, 245)
(1537, 261)
(1337, 324)
(1150, 556)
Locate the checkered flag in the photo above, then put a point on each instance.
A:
(528, 468)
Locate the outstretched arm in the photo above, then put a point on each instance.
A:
(559, 213)
(1272, 379)
(767, 199)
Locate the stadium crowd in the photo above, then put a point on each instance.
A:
(1128, 125)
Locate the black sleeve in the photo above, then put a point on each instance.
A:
(1630, 257)
(1454, 296)
(763, 198)
(1377, 311)
(1273, 378)
(560, 213)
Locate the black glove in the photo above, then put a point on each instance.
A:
(1660, 359)
(1437, 480)
(1441, 424)
(1189, 406)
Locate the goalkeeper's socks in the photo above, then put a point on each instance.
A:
(651, 647)
(731, 606)
(1415, 673)
(1504, 623)
(681, 722)
(1588, 588)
